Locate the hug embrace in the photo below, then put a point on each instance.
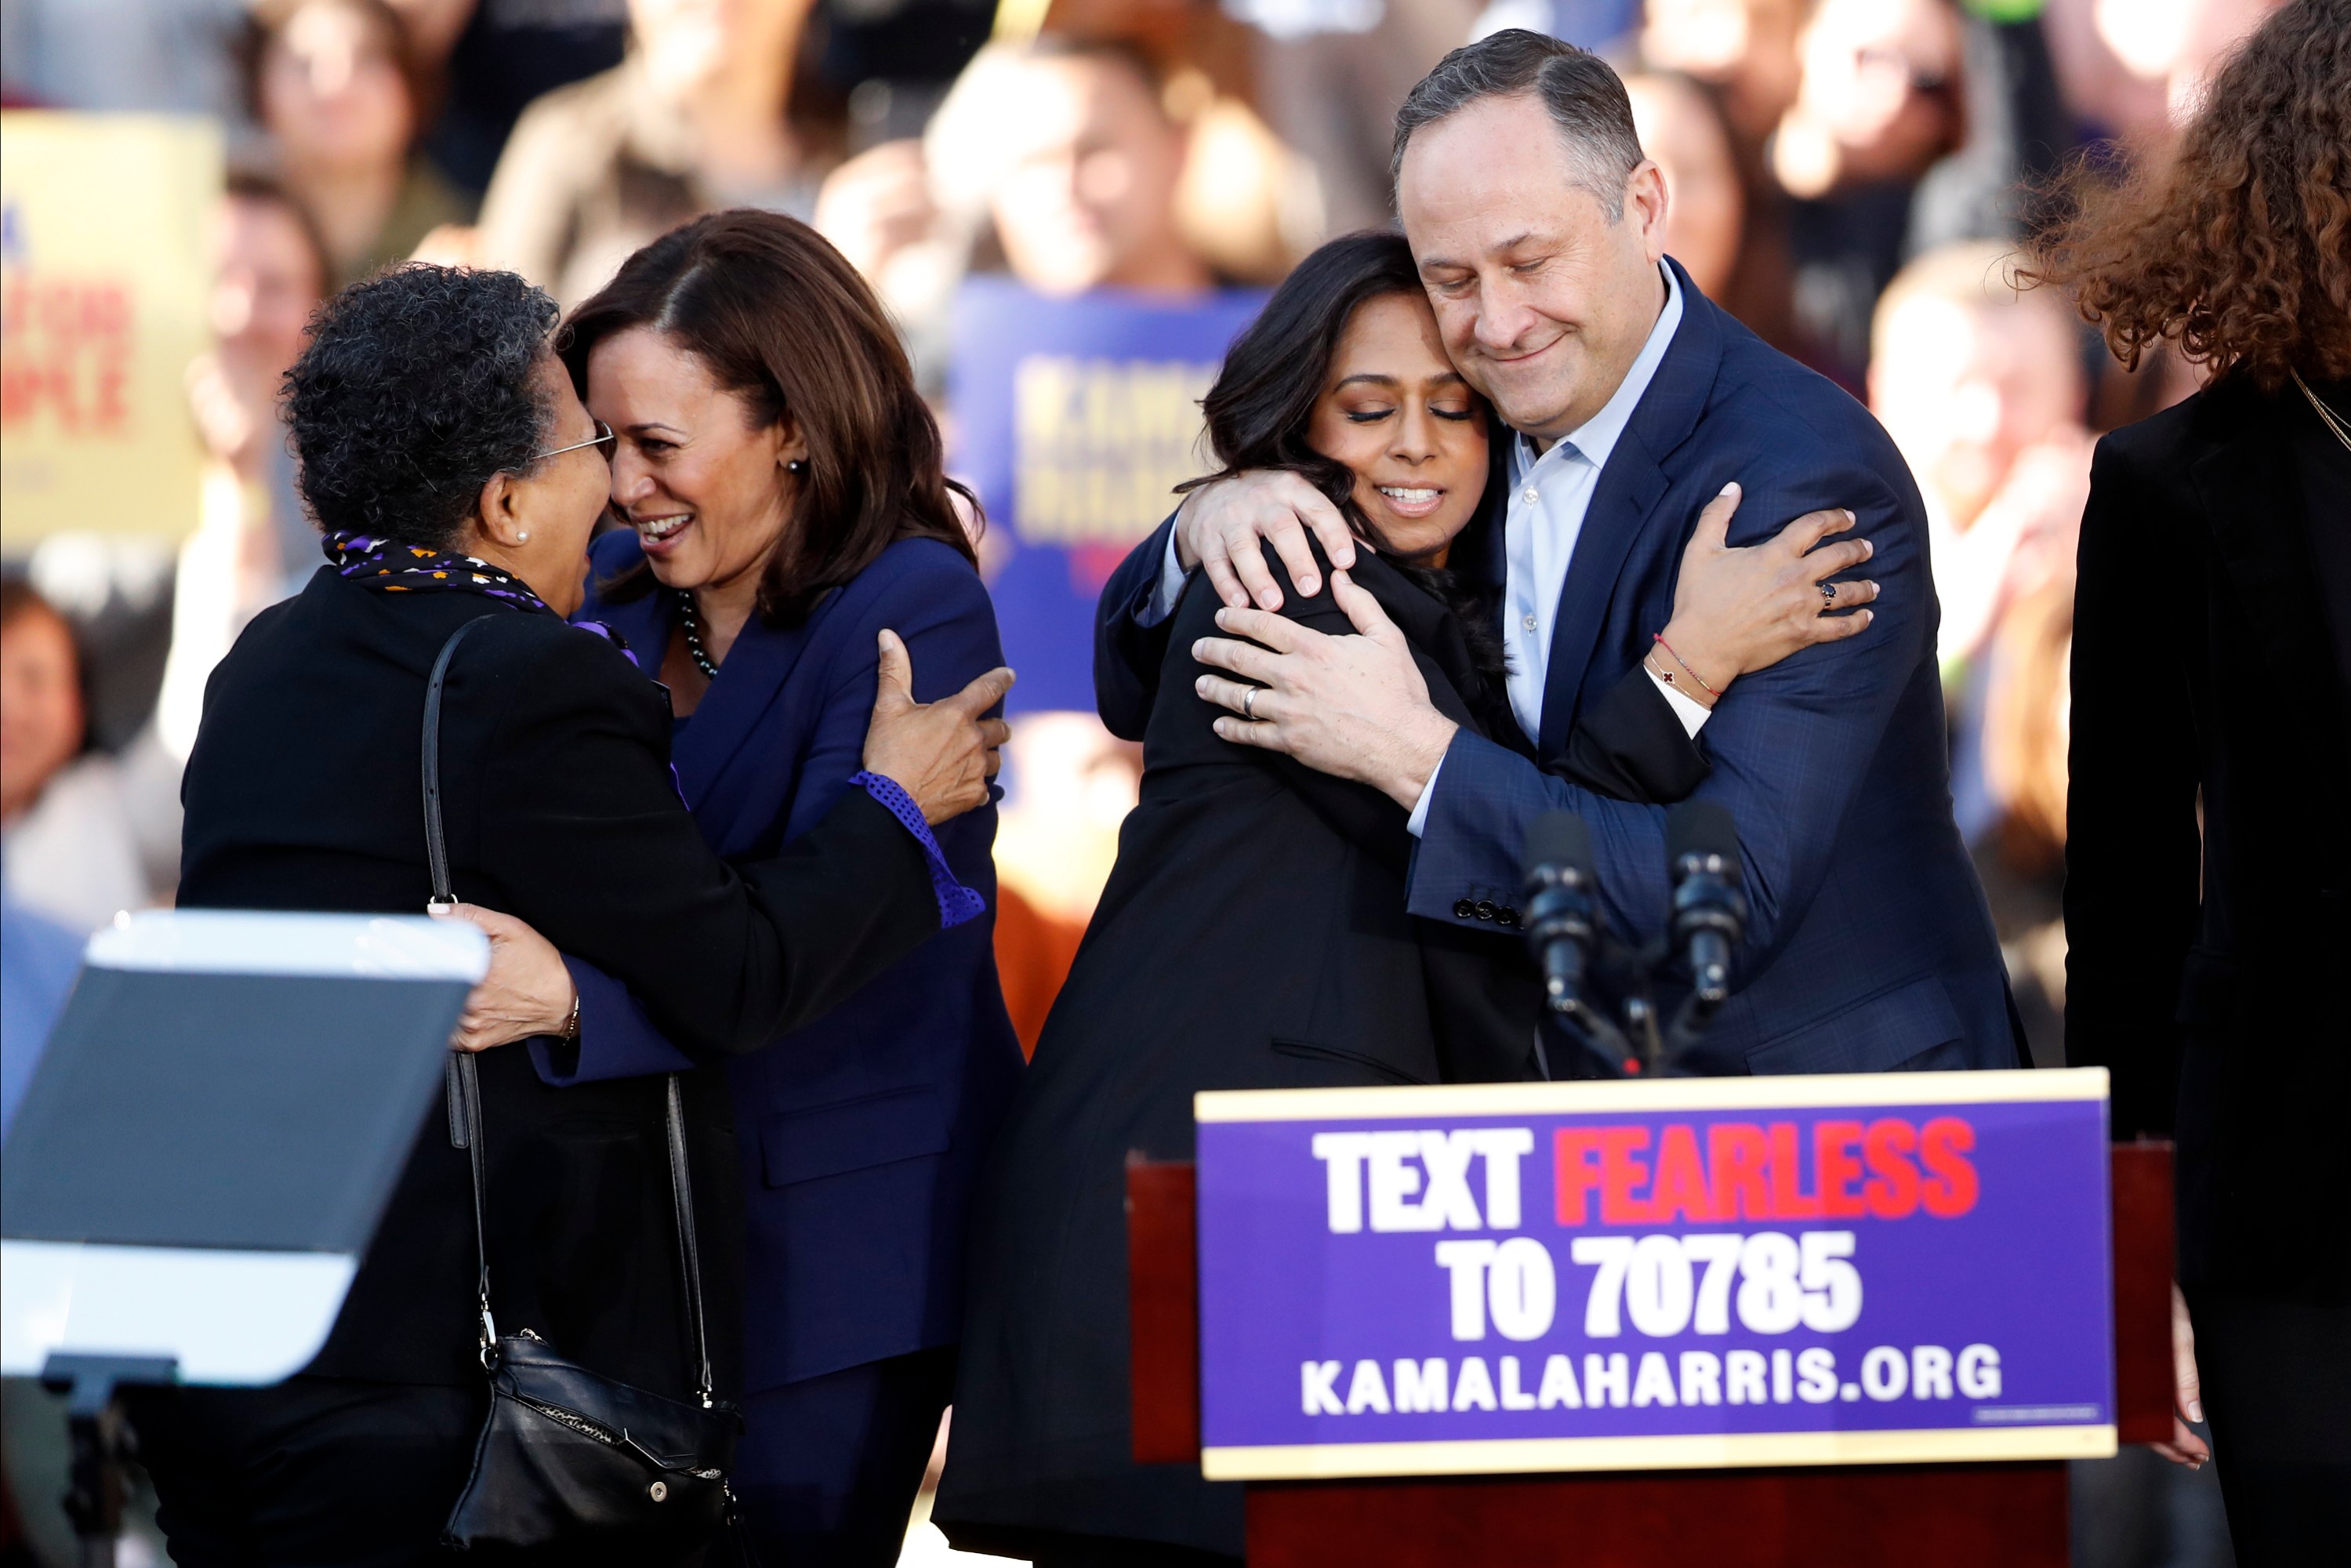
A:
(1509, 519)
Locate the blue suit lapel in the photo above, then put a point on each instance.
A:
(1631, 485)
(734, 709)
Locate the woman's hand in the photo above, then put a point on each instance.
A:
(942, 753)
(1738, 611)
(2187, 1392)
(528, 991)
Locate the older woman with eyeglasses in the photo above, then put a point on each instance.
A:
(456, 478)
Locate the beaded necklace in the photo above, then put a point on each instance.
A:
(690, 626)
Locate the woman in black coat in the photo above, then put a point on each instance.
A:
(457, 478)
(1288, 887)
(2207, 890)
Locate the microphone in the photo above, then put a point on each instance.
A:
(1559, 904)
(1709, 912)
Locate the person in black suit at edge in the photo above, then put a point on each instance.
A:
(2207, 890)
(1240, 863)
(457, 478)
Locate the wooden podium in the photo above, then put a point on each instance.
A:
(1867, 1516)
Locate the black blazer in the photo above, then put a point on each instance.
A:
(2205, 971)
(1253, 935)
(303, 793)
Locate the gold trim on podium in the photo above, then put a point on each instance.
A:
(1792, 1091)
(1519, 1456)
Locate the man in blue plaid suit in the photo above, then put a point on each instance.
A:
(1538, 228)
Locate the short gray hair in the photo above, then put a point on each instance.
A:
(1586, 101)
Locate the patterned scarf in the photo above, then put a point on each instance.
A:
(394, 567)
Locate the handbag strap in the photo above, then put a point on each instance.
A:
(461, 1083)
(689, 1250)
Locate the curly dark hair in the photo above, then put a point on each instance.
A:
(416, 387)
(2238, 249)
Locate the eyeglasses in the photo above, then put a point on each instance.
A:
(603, 433)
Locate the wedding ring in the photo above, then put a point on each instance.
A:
(1249, 704)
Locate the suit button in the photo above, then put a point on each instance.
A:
(1464, 910)
(1506, 915)
(1485, 909)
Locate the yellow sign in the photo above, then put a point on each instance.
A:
(1101, 445)
(104, 282)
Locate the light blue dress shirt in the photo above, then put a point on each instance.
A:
(1549, 493)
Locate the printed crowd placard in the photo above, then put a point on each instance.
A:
(1672, 1274)
(1074, 420)
(104, 283)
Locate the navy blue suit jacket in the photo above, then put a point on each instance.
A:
(1869, 944)
(861, 1133)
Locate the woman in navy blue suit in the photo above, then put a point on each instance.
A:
(785, 504)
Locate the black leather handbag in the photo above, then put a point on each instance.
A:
(569, 1459)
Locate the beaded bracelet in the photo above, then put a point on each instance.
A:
(1659, 637)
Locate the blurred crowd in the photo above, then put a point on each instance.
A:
(1850, 177)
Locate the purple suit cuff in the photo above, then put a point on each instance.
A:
(957, 903)
(616, 1039)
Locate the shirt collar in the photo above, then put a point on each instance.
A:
(1596, 437)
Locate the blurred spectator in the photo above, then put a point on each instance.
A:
(2130, 68)
(1744, 48)
(698, 117)
(1068, 148)
(1684, 133)
(1332, 73)
(1982, 389)
(253, 543)
(71, 844)
(497, 57)
(271, 270)
(338, 87)
(1057, 159)
(157, 56)
(2017, 133)
(1743, 54)
(1877, 100)
(1877, 103)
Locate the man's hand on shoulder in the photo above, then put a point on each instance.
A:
(1219, 525)
(1355, 707)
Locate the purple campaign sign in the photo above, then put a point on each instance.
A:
(1075, 420)
(1670, 1274)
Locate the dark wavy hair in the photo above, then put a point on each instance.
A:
(1262, 408)
(779, 316)
(2238, 249)
(416, 387)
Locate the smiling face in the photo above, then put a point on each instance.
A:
(1397, 414)
(1542, 300)
(694, 472)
